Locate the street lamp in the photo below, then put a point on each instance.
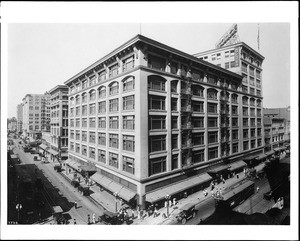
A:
(116, 195)
(167, 200)
(18, 208)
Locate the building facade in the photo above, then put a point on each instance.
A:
(36, 113)
(59, 122)
(148, 116)
(19, 118)
(12, 124)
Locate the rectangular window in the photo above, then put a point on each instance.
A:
(235, 148)
(84, 84)
(245, 145)
(244, 89)
(92, 80)
(198, 122)
(258, 131)
(198, 138)
(258, 75)
(251, 71)
(101, 76)
(157, 165)
(128, 122)
(92, 138)
(174, 141)
(102, 92)
(157, 102)
(128, 164)
(174, 162)
(212, 137)
(92, 122)
(235, 134)
(113, 160)
(212, 122)
(174, 104)
(197, 106)
(259, 142)
(92, 109)
(245, 133)
(128, 143)
(77, 122)
(114, 140)
(102, 107)
(84, 150)
(218, 56)
(84, 110)
(245, 122)
(71, 146)
(128, 63)
(244, 67)
(102, 122)
(114, 105)
(174, 124)
(157, 122)
(114, 122)
(101, 156)
(245, 111)
(234, 110)
(212, 108)
(232, 64)
(78, 111)
(113, 70)
(77, 148)
(173, 68)
(114, 88)
(198, 156)
(155, 62)
(72, 122)
(84, 122)
(72, 134)
(213, 153)
(157, 143)
(92, 152)
(84, 135)
(128, 84)
(227, 54)
(128, 102)
(226, 65)
(234, 122)
(156, 84)
(252, 133)
(102, 139)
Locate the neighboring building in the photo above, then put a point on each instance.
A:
(19, 117)
(277, 127)
(12, 124)
(46, 144)
(59, 122)
(36, 113)
(152, 119)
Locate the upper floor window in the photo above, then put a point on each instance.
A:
(157, 143)
(156, 102)
(114, 88)
(92, 109)
(113, 105)
(212, 94)
(157, 122)
(128, 63)
(128, 122)
(173, 68)
(102, 92)
(128, 102)
(77, 99)
(114, 140)
(197, 90)
(174, 86)
(128, 84)
(212, 79)
(128, 164)
(84, 97)
(113, 160)
(114, 122)
(101, 75)
(212, 108)
(92, 95)
(155, 62)
(156, 83)
(84, 84)
(102, 107)
(92, 80)
(113, 70)
(128, 143)
(197, 75)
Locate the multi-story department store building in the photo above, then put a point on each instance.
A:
(152, 120)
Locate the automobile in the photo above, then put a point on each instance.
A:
(57, 167)
(75, 183)
(84, 190)
(58, 216)
(110, 218)
(186, 212)
(268, 195)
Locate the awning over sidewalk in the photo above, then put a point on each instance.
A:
(261, 156)
(177, 187)
(43, 146)
(87, 168)
(237, 165)
(112, 186)
(260, 167)
(270, 153)
(249, 158)
(72, 164)
(218, 169)
(277, 149)
(54, 153)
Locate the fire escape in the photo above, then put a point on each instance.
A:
(186, 122)
(224, 122)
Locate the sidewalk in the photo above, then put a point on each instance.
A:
(197, 198)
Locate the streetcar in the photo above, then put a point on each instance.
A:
(236, 196)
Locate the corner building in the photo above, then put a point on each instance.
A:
(152, 119)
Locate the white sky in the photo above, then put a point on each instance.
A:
(42, 55)
(36, 57)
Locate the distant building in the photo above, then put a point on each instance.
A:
(19, 118)
(59, 122)
(36, 113)
(149, 118)
(12, 124)
(276, 127)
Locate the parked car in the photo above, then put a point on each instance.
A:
(57, 167)
(84, 190)
(110, 218)
(187, 212)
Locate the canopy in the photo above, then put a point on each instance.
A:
(270, 153)
(261, 156)
(277, 149)
(237, 165)
(177, 187)
(72, 163)
(87, 168)
(248, 158)
(57, 209)
(43, 146)
(54, 153)
(218, 169)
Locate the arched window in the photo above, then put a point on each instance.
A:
(128, 83)
(245, 100)
(212, 94)
(234, 98)
(102, 92)
(114, 88)
(258, 103)
(174, 84)
(156, 82)
(77, 99)
(72, 101)
(198, 90)
(84, 97)
(92, 95)
(252, 102)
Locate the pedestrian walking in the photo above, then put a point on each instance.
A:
(155, 212)
(75, 204)
(75, 221)
(257, 189)
(174, 201)
(94, 218)
(89, 219)
(237, 176)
